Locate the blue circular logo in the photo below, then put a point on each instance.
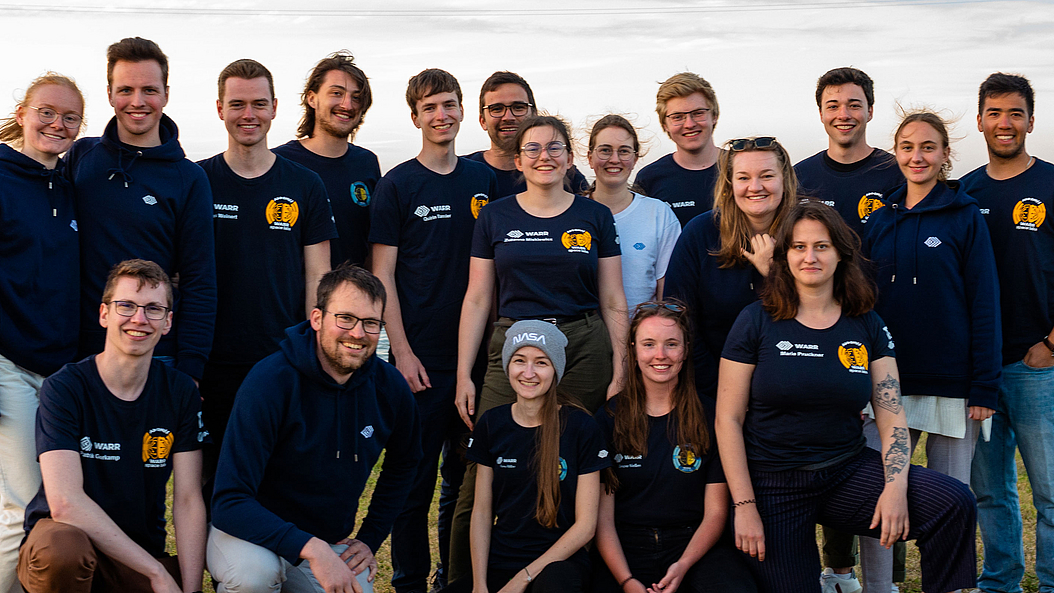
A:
(563, 469)
(685, 459)
(360, 194)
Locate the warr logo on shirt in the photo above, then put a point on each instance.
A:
(577, 241)
(853, 356)
(281, 213)
(869, 202)
(360, 194)
(157, 444)
(1029, 214)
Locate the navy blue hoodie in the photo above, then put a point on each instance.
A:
(148, 203)
(299, 449)
(40, 275)
(939, 294)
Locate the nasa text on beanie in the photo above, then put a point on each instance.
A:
(542, 335)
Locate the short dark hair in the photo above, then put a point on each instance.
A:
(135, 49)
(505, 77)
(853, 289)
(1004, 84)
(345, 62)
(245, 69)
(430, 82)
(358, 277)
(143, 271)
(840, 76)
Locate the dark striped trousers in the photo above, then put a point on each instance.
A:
(942, 513)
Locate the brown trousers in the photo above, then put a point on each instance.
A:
(59, 558)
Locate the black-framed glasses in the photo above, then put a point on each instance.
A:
(348, 322)
(605, 152)
(47, 115)
(518, 109)
(128, 309)
(761, 143)
(680, 117)
(534, 149)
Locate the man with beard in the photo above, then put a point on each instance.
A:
(1015, 192)
(505, 99)
(299, 450)
(335, 100)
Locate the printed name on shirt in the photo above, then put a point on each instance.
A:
(869, 202)
(1029, 214)
(426, 213)
(788, 349)
(157, 444)
(506, 462)
(853, 356)
(478, 202)
(88, 445)
(630, 460)
(517, 235)
(281, 213)
(577, 240)
(221, 211)
(690, 204)
(360, 194)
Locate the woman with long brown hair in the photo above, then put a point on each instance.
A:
(538, 476)
(804, 361)
(665, 504)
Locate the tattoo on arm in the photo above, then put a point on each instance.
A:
(897, 456)
(887, 394)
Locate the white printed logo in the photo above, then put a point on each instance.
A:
(368, 431)
(150, 200)
(617, 457)
(469, 442)
(515, 234)
(85, 444)
(73, 225)
(602, 454)
(933, 242)
(500, 459)
(422, 211)
(784, 345)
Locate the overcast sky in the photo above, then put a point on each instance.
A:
(583, 59)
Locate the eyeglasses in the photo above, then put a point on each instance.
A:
(660, 305)
(128, 309)
(47, 115)
(533, 149)
(680, 117)
(518, 109)
(742, 144)
(348, 322)
(624, 153)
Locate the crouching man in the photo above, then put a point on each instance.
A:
(111, 429)
(309, 423)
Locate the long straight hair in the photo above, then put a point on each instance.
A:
(547, 455)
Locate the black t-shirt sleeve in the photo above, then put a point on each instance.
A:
(743, 341)
(479, 448)
(481, 244)
(190, 432)
(321, 226)
(58, 417)
(881, 339)
(385, 217)
(592, 449)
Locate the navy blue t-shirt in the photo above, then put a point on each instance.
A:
(714, 295)
(501, 444)
(126, 447)
(261, 226)
(689, 192)
(808, 388)
(1023, 242)
(430, 218)
(512, 182)
(854, 190)
(666, 487)
(546, 267)
(350, 181)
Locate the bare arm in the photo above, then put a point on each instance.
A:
(316, 264)
(64, 485)
(616, 318)
(188, 517)
(610, 547)
(660, 285)
(384, 259)
(733, 394)
(474, 313)
(482, 522)
(891, 512)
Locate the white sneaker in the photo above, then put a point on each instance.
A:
(835, 583)
(895, 589)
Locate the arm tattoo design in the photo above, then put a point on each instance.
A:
(898, 454)
(887, 394)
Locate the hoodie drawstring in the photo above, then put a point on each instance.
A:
(121, 170)
(895, 208)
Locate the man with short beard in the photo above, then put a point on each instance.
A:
(505, 99)
(300, 448)
(336, 98)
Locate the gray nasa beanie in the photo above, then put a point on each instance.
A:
(542, 335)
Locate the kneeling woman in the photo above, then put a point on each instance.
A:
(539, 462)
(666, 502)
(805, 360)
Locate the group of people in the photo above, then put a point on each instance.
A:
(642, 387)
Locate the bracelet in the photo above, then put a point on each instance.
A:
(745, 502)
(624, 581)
(529, 577)
(1046, 342)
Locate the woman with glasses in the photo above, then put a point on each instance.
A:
(39, 284)
(665, 502)
(796, 370)
(647, 228)
(721, 260)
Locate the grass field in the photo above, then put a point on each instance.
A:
(912, 585)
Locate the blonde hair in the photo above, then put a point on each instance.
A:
(681, 85)
(11, 131)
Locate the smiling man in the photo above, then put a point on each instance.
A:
(273, 225)
(335, 100)
(308, 425)
(423, 217)
(849, 176)
(138, 196)
(111, 429)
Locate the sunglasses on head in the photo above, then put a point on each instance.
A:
(742, 144)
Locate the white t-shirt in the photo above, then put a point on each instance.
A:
(647, 230)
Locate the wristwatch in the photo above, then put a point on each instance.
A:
(1046, 342)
